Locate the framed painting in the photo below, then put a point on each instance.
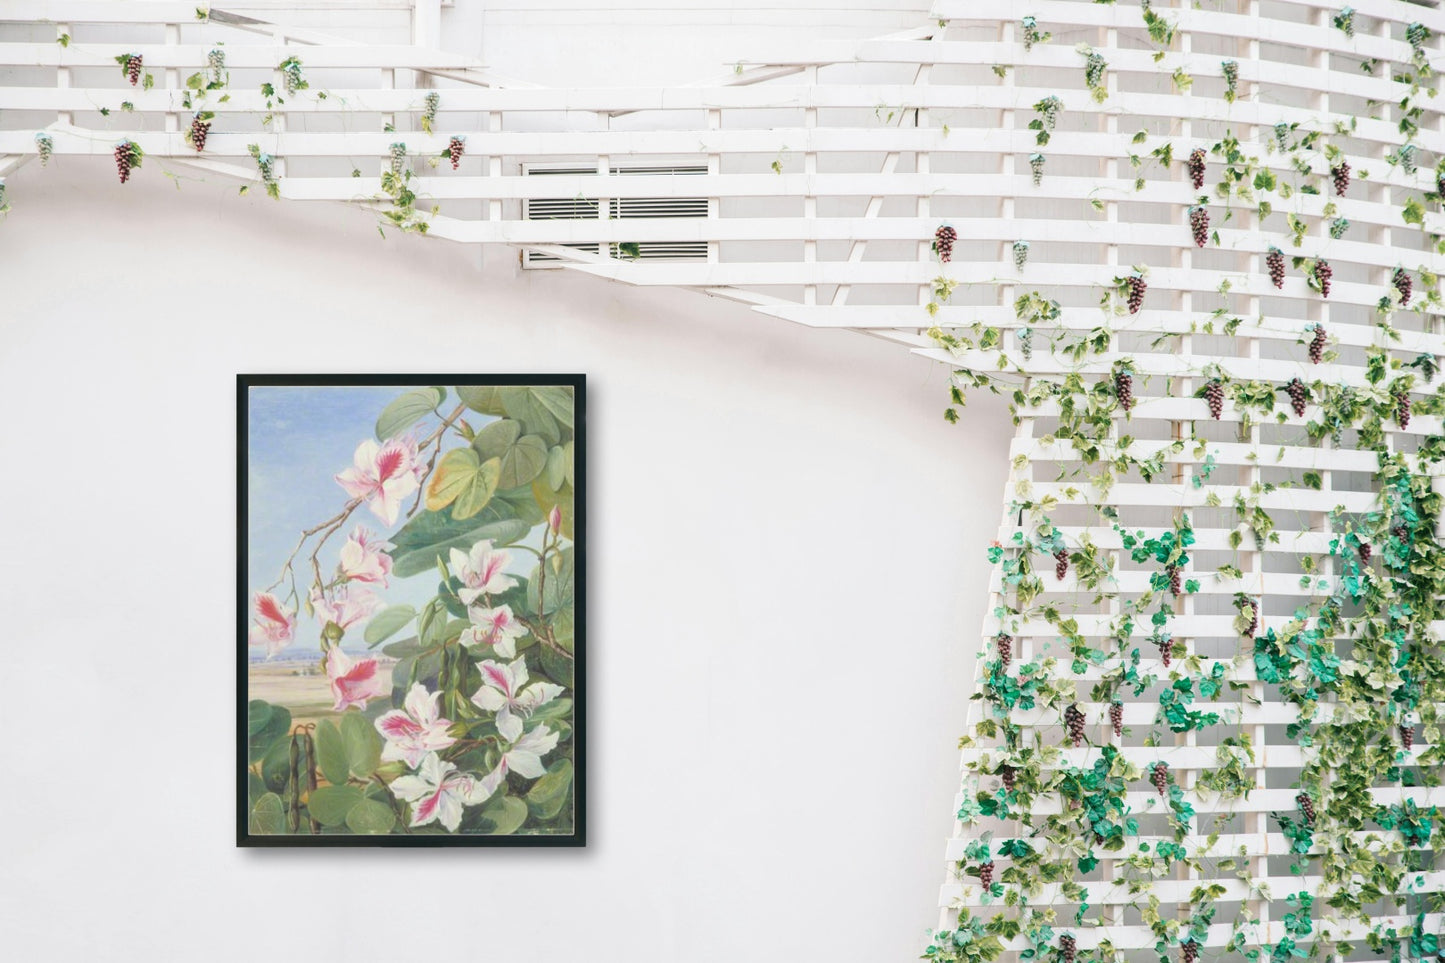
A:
(411, 610)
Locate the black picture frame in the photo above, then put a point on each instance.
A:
(578, 838)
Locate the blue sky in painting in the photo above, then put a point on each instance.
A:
(300, 437)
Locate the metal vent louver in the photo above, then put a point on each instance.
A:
(622, 208)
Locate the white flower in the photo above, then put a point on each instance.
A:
(482, 571)
(505, 691)
(496, 627)
(438, 792)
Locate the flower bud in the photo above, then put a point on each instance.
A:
(554, 519)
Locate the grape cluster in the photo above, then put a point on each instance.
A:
(1196, 167)
(1274, 260)
(1009, 776)
(1176, 580)
(1231, 77)
(1407, 737)
(216, 60)
(1124, 389)
(1338, 227)
(1021, 254)
(1074, 720)
(1214, 394)
(1061, 564)
(1306, 806)
(985, 873)
(943, 239)
(455, 149)
(1067, 948)
(1005, 645)
(1340, 174)
(133, 65)
(1440, 183)
(1036, 165)
(397, 153)
(124, 159)
(44, 146)
(1403, 284)
(1400, 533)
(1116, 718)
(199, 129)
(1253, 617)
(1199, 224)
(1137, 287)
(429, 110)
(1317, 345)
(1402, 409)
(1298, 395)
(1188, 951)
(1159, 776)
(1166, 651)
(1026, 343)
(1366, 552)
(1323, 273)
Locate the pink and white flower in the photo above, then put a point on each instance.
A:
(482, 571)
(364, 558)
(524, 758)
(437, 791)
(345, 605)
(384, 475)
(353, 683)
(496, 627)
(554, 519)
(415, 730)
(505, 691)
(272, 624)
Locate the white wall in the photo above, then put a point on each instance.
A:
(786, 567)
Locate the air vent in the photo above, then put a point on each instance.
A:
(621, 209)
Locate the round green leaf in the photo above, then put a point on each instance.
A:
(494, 439)
(408, 409)
(570, 449)
(268, 816)
(387, 623)
(363, 744)
(370, 817)
(551, 792)
(556, 470)
(453, 475)
(276, 766)
(522, 456)
(503, 816)
(331, 753)
(330, 804)
(265, 724)
(479, 491)
(483, 398)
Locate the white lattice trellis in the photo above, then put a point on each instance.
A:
(826, 172)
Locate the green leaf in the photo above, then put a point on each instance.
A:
(479, 491)
(268, 816)
(545, 596)
(453, 476)
(550, 792)
(276, 766)
(387, 623)
(370, 818)
(482, 398)
(330, 804)
(571, 463)
(542, 409)
(505, 519)
(331, 753)
(363, 744)
(407, 410)
(522, 457)
(503, 816)
(265, 724)
(556, 470)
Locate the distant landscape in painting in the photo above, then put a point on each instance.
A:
(412, 642)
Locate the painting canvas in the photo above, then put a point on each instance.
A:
(411, 611)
